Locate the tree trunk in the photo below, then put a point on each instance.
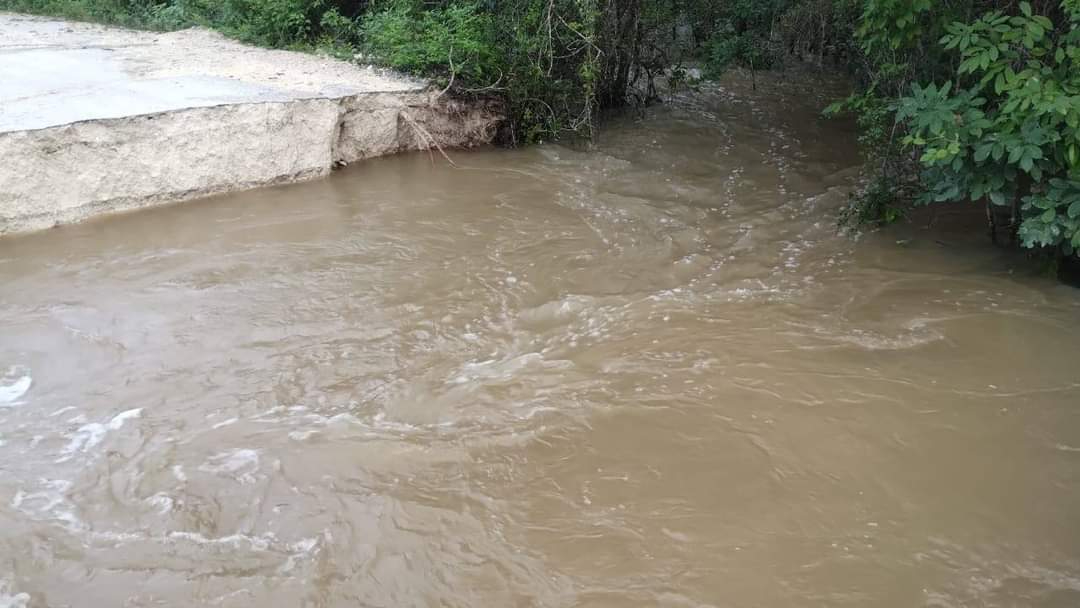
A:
(617, 41)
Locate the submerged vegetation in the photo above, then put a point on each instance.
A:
(956, 100)
(974, 101)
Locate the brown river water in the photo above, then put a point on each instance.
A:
(648, 374)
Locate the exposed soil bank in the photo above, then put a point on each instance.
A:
(95, 120)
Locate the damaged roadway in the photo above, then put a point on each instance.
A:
(95, 120)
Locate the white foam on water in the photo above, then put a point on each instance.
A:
(380, 422)
(90, 435)
(44, 501)
(302, 435)
(256, 543)
(295, 551)
(913, 336)
(178, 472)
(225, 423)
(14, 385)
(505, 369)
(162, 501)
(240, 464)
(49, 501)
(301, 549)
(10, 599)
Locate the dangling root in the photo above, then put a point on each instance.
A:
(426, 137)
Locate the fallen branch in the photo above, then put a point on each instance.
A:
(453, 73)
(583, 37)
(491, 87)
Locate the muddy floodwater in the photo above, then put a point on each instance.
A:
(647, 374)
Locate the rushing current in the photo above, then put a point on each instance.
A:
(650, 373)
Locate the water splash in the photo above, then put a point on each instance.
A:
(14, 385)
(89, 435)
(10, 599)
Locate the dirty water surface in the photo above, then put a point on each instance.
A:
(647, 374)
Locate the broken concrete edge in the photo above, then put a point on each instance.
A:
(419, 89)
(69, 173)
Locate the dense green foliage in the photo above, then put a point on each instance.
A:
(974, 101)
(745, 34)
(298, 24)
(1007, 126)
(421, 41)
(539, 56)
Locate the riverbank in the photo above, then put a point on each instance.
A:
(96, 120)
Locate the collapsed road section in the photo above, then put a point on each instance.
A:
(95, 120)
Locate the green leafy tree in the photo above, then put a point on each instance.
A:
(1006, 128)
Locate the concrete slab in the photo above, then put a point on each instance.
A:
(55, 72)
(95, 120)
